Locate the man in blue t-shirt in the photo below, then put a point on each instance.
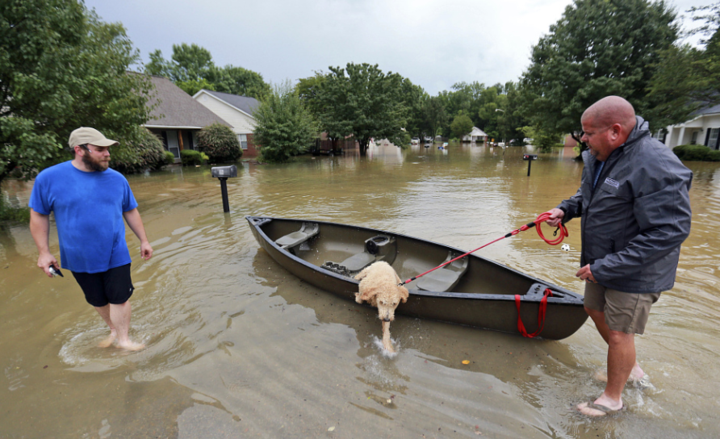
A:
(90, 201)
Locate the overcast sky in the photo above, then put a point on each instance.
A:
(434, 43)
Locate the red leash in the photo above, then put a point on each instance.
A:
(540, 219)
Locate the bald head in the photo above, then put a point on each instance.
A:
(609, 111)
(607, 124)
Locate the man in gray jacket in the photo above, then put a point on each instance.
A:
(635, 212)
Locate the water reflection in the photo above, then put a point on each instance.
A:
(239, 347)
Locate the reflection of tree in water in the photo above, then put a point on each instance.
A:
(8, 245)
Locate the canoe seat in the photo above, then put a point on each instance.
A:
(295, 239)
(377, 248)
(444, 279)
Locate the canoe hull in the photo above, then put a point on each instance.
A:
(484, 298)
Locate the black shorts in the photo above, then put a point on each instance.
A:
(112, 286)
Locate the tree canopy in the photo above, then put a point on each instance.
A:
(597, 48)
(191, 68)
(461, 125)
(285, 128)
(61, 68)
(688, 78)
(364, 102)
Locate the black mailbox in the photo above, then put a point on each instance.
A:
(224, 171)
(529, 156)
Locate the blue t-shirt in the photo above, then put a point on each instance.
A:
(88, 210)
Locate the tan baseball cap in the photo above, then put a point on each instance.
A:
(92, 136)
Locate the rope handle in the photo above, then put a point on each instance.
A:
(541, 315)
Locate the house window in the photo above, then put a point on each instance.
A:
(242, 138)
(693, 140)
(712, 140)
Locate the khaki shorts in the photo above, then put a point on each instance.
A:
(624, 312)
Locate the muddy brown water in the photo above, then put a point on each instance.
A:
(238, 347)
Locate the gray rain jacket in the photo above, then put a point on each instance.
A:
(637, 216)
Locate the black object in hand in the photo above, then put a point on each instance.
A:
(55, 271)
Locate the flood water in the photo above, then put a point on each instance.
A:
(238, 347)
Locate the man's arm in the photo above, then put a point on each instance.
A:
(40, 231)
(132, 217)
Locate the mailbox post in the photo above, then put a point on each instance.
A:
(529, 158)
(222, 173)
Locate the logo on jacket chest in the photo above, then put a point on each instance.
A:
(611, 182)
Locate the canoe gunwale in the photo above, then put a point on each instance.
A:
(567, 297)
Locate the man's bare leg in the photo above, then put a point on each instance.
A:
(120, 316)
(621, 359)
(599, 318)
(104, 312)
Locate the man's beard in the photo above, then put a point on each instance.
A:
(94, 165)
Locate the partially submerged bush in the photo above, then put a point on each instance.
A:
(696, 153)
(169, 158)
(145, 153)
(188, 157)
(219, 143)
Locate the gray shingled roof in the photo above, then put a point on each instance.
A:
(710, 109)
(177, 108)
(245, 103)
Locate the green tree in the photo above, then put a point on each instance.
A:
(686, 77)
(191, 68)
(511, 119)
(188, 62)
(61, 68)
(239, 81)
(285, 128)
(219, 143)
(434, 115)
(413, 97)
(461, 125)
(362, 101)
(598, 48)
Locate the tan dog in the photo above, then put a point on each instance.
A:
(379, 287)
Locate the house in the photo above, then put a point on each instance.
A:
(177, 118)
(702, 129)
(476, 135)
(238, 111)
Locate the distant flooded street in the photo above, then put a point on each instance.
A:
(238, 347)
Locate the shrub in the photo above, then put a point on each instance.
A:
(188, 157)
(696, 153)
(145, 153)
(169, 158)
(219, 143)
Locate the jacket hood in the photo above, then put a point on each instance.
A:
(642, 128)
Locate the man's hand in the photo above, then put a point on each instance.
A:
(586, 275)
(556, 216)
(146, 251)
(45, 260)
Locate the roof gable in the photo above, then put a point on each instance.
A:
(245, 104)
(176, 108)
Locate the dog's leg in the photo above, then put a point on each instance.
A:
(387, 343)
